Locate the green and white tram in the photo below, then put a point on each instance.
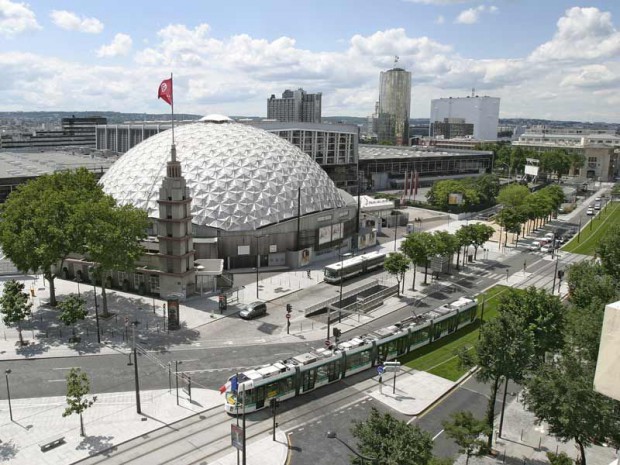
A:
(353, 266)
(304, 373)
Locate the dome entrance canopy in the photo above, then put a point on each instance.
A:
(240, 178)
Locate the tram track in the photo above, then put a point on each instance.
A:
(162, 446)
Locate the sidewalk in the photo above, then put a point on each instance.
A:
(523, 442)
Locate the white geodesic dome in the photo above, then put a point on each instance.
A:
(240, 178)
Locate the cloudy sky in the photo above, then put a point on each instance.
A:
(552, 59)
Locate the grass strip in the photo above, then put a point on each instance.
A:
(587, 242)
(439, 358)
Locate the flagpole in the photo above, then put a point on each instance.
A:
(172, 106)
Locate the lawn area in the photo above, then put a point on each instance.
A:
(439, 358)
(592, 233)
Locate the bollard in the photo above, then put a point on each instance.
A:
(521, 435)
(539, 443)
(60, 333)
(556, 449)
(504, 460)
(157, 327)
(147, 325)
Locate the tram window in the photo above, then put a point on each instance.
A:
(322, 372)
(359, 359)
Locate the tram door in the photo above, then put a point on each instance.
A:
(309, 380)
(259, 392)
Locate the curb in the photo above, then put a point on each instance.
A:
(457, 384)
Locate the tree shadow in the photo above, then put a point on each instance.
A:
(96, 444)
(8, 451)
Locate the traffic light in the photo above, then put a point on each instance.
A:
(289, 308)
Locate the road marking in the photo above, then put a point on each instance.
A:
(437, 435)
(56, 380)
(67, 368)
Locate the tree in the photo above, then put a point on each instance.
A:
(556, 161)
(438, 195)
(14, 305)
(487, 186)
(503, 351)
(541, 314)
(446, 244)
(465, 236)
(510, 220)
(113, 238)
(466, 430)
(392, 441)
(38, 223)
(418, 246)
(609, 251)
(480, 233)
(559, 459)
(73, 309)
(513, 195)
(561, 394)
(589, 282)
(397, 265)
(78, 388)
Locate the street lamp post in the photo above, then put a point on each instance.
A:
(7, 372)
(396, 231)
(333, 435)
(258, 261)
(342, 255)
(176, 376)
(92, 270)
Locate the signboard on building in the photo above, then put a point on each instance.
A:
(173, 313)
(243, 250)
(325, 234)
(455, 198)
(337, 231)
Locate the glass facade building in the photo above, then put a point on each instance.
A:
(394, 107)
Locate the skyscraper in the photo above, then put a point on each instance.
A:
(295, 105)
(394, 107)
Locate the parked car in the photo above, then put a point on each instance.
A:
(598, 199)
(253, 310)
(549, 236)
(590, 212)
(546, 248)
(597, 206)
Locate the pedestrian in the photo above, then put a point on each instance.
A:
(309, 275)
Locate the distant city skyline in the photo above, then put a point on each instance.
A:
(549, 60)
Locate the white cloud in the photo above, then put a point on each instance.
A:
(440, 20)
(72, 22)
(472, 15)
(593, 77)
(582, 33)
(121, 45)
(16, 18)
(236, 74)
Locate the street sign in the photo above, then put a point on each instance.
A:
(288, 315)
(327, 343)
(236, 436)
(380, 370)
(392, 366)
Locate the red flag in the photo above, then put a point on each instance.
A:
(165, 91)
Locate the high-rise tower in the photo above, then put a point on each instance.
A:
(394, 107)
(295, 105)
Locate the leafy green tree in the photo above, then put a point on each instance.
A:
(518, 158)
(397, 265)
(466, 430)
(446, 244)
(541, 314)
(418, 246)
(588, 282)
(555, 194)
(14, 305)
(609, 251)
(78, 387)
(439, 193)
(559, 459)
(73, 309)
(38, 224)
(577, 161)
(392, 441)
(556, 161)
(487, 186)
(464, 236)
(113, 238)
(503, 352)
(560, 393)
(513, 195)
(480, 233)
(510, 220)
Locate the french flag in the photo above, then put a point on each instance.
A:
(231, 385)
